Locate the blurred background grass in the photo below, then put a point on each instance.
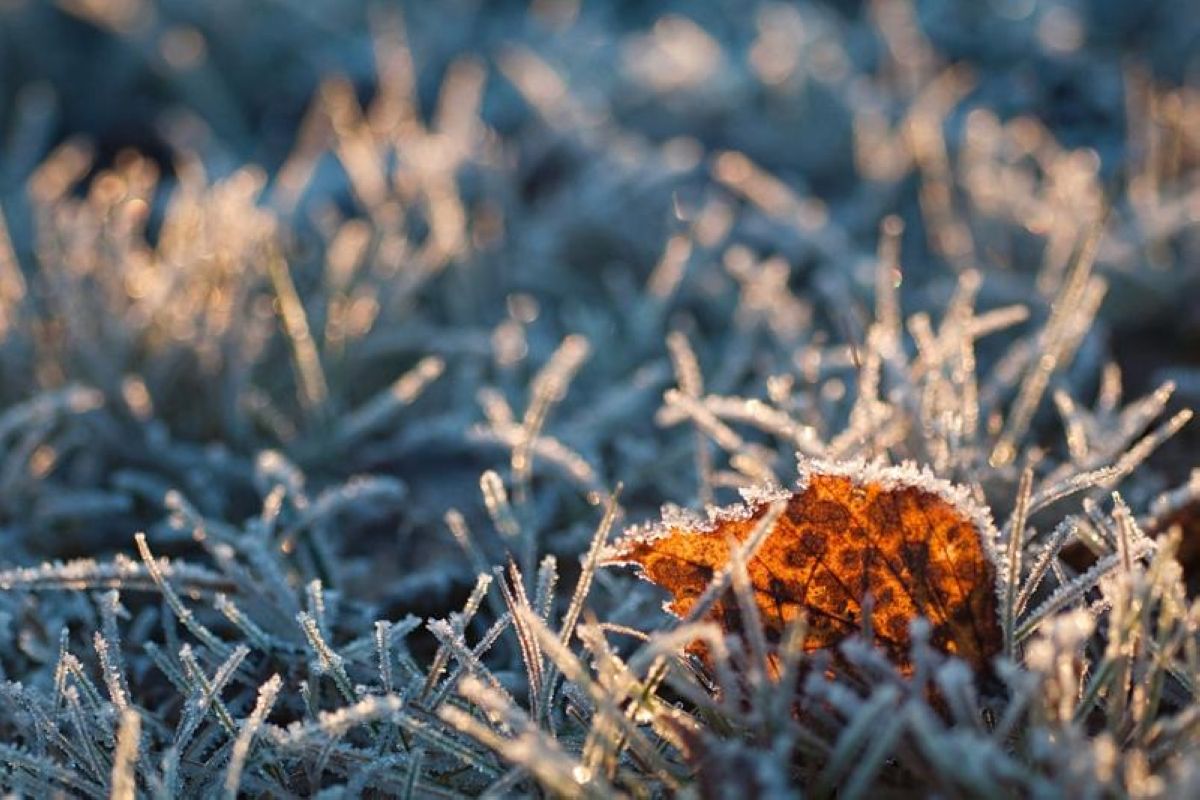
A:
(551, 153)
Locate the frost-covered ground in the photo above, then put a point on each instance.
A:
(335, 342)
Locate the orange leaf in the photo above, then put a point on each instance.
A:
(917, 545)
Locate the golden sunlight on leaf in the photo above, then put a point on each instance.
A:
(913, 544)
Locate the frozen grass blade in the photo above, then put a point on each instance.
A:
(181, 611)
(861, 731)
(691, 383)
(513, 591)
(583, 587)
(1015, 530)
(124, 770)
(1065, 530)
(377, 411)
(313, 387)
(538, 754)
(329, 662)
(44, 773)
(483, 582)
(469, 660)
(549, 387)
(1073, 591)
(267, 695)
(1072, 312)
(495, 498)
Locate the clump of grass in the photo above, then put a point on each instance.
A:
(305, 475)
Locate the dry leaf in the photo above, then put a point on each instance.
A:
(917, 545)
